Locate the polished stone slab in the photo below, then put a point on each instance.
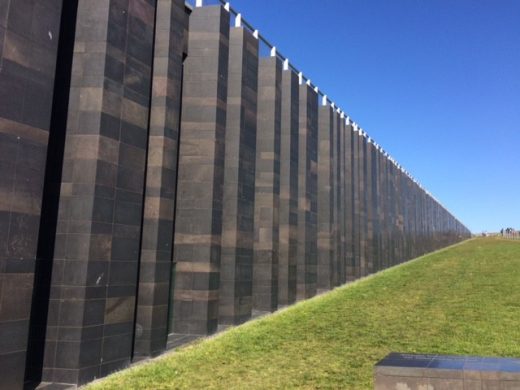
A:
(433, 372)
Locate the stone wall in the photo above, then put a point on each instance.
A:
(161, 179)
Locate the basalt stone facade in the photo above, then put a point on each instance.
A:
(161, 178)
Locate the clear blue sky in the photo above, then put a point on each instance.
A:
(435, 82)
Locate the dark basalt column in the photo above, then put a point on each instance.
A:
(388, 215)
(348, 203)
(288, 189)
(157, 231)
(267, 186)
(344, 155)
(92, 303)
(236, 266)
(341, 201)
(325, 199)
(368, 205)
(362, 205)
(307, 194)
(28, 52)
(376, 216)
(198, 225)
(336, 217)
(353, 272)
(394, 211)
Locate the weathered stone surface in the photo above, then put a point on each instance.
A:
(307, 193)
(198, 225)
(288, 215)
(28, 54)
(267, 186)
(325, 270)
(161, 173)
(236, 265)
(92, 304)
(138, 175)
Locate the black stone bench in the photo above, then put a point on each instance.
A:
(401, 371)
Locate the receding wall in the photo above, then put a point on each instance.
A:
(161, 178)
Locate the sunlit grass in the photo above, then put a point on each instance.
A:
(463, 300)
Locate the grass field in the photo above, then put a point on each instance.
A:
(462, 300)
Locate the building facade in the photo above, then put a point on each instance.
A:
(161, 179)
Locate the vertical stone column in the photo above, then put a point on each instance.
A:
(157, 231)
(356, 206)
(369, 211)
(29, 35)
(325, 200)
(393, 214)
(348, 205)
(92, 303)
(413, 222)
(362, 205)
(376, 168)
(336, 217)
(401, 190)
(307, 194)
(343, 207)
(408, 220)
(383, 208)
(198, 224)
(236, 267)
(288, 189)
(267, 186)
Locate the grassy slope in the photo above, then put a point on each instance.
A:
(464, 300)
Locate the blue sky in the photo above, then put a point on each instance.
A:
(435, 82)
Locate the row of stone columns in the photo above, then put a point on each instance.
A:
(309, 202)
(202, 184)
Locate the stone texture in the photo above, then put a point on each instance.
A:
(135, 193)
(267, 186)
(29, 33)
(307, 193)
(236, 266)
(325, 199)
(354, 270)
(198, 225)
(362, 204)
(288, 214)
(347, 205)
(337, 216)
(151, 329)
(91, 309)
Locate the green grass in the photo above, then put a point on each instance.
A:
(462, 300)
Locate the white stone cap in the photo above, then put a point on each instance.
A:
(273, 51)
(238, 20)
(286, 64)
(324, 100)
(300, 78)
